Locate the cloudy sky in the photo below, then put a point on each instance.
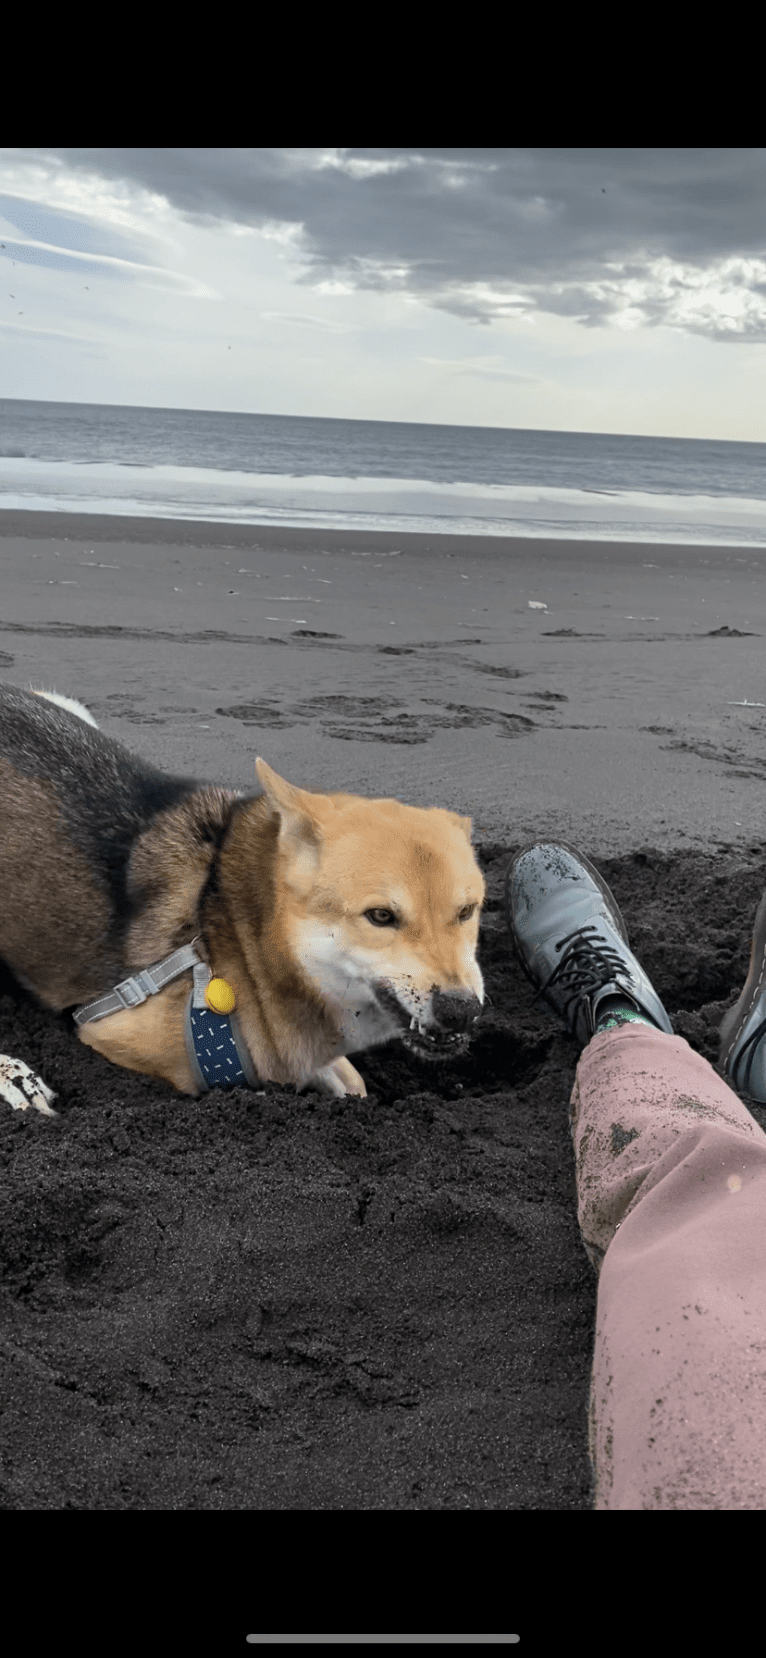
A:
(578, 290)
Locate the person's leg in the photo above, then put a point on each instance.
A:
(671, 1176)
(671, 1179)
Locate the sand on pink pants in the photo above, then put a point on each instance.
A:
(671, 1181)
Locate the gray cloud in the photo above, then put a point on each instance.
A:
(486, 233)
(72, 242)
(60, 259)
(67, 230)
(486, 368)
(301, 320)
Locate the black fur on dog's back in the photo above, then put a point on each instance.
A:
(106, 795)
(100, 852)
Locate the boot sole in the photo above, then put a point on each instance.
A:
(606, 894)
(734, 1021)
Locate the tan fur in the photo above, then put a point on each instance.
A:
(149, 1038)
(326, 859)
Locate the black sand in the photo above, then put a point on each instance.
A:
(258, 1300)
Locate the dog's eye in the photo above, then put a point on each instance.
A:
(381, 917)
(466, 912)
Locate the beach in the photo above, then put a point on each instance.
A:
(258, 1300)
(414, 666)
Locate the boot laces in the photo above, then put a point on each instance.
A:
(585, 965)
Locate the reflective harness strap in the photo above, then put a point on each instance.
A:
(216, 1047)
(135, 990)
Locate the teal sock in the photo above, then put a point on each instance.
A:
(614, 1012)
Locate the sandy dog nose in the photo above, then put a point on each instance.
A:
(455, 1010)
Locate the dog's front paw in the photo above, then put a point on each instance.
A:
(340, 1078)
(20, 1088)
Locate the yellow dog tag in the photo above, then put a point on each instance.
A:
(220, 997)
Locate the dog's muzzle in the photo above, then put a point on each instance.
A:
(449, 1034)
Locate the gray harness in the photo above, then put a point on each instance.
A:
(215, 1045)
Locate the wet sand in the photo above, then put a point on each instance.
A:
(258, 1301)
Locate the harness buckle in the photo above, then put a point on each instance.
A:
(133, 991)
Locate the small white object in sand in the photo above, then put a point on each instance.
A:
(536, 604)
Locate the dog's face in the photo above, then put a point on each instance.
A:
(381, 906)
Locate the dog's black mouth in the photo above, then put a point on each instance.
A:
(427, 1042)
(435, 1044)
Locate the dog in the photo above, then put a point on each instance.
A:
(206, 936)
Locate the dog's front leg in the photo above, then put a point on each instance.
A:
(20, 1088)
(340, 1078)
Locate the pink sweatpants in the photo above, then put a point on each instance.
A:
(671, 1180)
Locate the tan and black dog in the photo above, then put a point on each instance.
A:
(206, 936)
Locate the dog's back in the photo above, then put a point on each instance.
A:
(74, 801)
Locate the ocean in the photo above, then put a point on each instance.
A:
(387, 475)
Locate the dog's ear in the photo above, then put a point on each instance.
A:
(464, 823)
(280, 794)
(300, 831)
